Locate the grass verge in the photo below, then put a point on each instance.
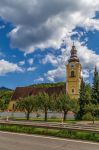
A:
(51, 132)
(57, 120)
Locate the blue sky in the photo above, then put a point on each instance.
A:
(36, 39)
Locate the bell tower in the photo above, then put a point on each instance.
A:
(73, 71)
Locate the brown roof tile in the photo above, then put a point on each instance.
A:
(28, 91)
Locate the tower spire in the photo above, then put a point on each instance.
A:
(73, 43)
(73, 56)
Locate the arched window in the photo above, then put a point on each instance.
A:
(73, 91)
(72, 74)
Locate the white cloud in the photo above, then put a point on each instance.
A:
(46, 22)
(31, 69)
(57, 74)
(39, 80)
(88, 59)
(8, 67)
(97, 65)
(49, 58)
(21, 63)
(85, 74)
(91, 24)
(30, 61)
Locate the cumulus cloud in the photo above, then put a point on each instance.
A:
(91, 24)
(50, 58)
(30, 61)
(97, 65)
(88, 59)
(21, 63)
(39, 80)
(45, 23)
(58, 74)
(31, 69)
(41, 24)
(8, 67)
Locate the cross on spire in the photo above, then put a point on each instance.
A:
(73, 43)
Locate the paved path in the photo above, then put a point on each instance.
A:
(14, 141)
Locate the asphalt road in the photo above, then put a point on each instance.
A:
(13, 141)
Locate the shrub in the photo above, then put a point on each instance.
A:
(53, 117)
(88, 117)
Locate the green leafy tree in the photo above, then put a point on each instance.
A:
(88, 95)
(6, 95)
(84, 99)
(44, 103)
(27, 104)
(81, 101)
(95, 88)
(42, 85)
(3, 106)
(92, 108)
(74, 107)
(63, 103)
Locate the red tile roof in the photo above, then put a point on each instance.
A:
(28, 91)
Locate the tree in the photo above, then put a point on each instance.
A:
(81, 101)
(5, 96)
(95, 88)
(63, 103)
(44, 103)
(74, 107)
(47, 85)
(84, 99)
(92, 108)
(3, 106)
(27, 105)
(88, 95)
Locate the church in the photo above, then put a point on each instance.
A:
(73, 73)
(73, 82)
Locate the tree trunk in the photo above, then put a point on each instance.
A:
(45, 114)
(27, 115)
(93, 119)
(65, 114)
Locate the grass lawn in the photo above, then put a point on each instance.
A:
(49, 120)
(51, 132)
